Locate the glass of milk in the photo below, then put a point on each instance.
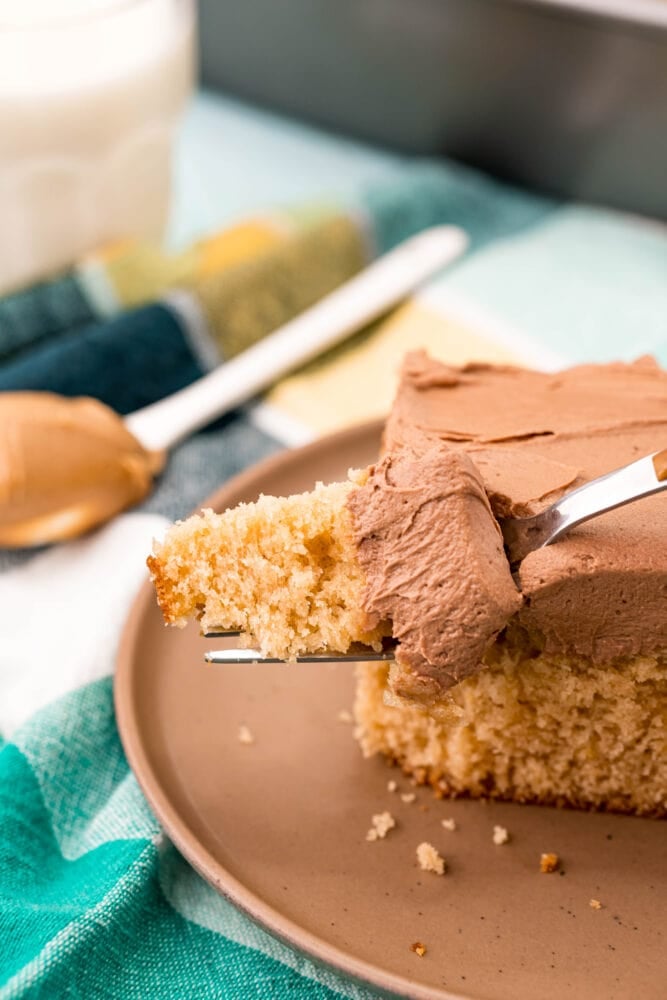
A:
(90, 96)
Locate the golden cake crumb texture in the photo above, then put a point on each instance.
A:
(245, 736)
(500, 835)
(283, 571)
(429, 859)
(549, 863)
(534, 727)
(382, 823)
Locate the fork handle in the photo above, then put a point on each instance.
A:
(254, 656)
(368, 295)
(642, 478)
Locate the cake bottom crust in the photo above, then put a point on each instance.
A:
(532, 728)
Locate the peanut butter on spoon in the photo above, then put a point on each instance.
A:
(66, 465)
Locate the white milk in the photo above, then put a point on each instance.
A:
(90, 93)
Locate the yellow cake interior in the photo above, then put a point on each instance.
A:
(282, 570)
(532, 728)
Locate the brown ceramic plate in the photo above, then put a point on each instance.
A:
(279, 826)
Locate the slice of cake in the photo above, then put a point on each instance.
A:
(408, 548)
(283, 571)
(570, 706)
(558, 676)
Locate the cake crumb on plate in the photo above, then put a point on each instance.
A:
(449, 824)
(418, 948)
(429, 859)
(595, 904)
(382, 823)
(408, 797)
(344, 716)
(245, 736)
(500, 835)
(549, 863)
(391, 786)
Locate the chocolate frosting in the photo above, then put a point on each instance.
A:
(65, 466)
(601, 591)
(434, 560)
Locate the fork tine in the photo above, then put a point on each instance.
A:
(255, 656)
(219, 633)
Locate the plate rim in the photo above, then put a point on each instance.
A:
(212, 871)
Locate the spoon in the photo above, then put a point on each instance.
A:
(67, 465)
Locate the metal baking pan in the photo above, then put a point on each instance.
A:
(569, 96)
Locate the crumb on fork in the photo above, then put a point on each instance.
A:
(429, 859)
(549, 863)
(382, 823)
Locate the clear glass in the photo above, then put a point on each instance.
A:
(90, 95)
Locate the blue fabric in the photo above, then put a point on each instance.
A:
(431, 193)
(41, 312)
(127, 362)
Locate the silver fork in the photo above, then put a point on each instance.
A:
(631, 482)
(354, 654)
(521, 536)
